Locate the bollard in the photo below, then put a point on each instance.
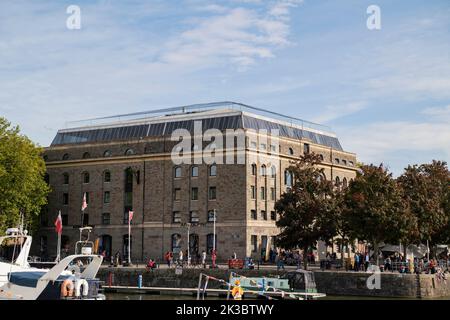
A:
(110, 278)
(140, 281)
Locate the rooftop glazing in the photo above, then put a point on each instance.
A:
(218, 115)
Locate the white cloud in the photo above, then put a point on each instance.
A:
(439, 113)
(333, 112)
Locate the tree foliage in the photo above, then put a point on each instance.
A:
(426, 190)
(305, 207)
(375, 210)
(22, 170)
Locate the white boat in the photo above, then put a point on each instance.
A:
(71, 278)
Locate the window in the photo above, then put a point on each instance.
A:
(344, 162)
(65, 178)
(336, 160)
(253, 169)
(107, 176)
(211, 242)
(177, 172)
(176, 242)
(176, 217)
(194, 171)
(213, 170)
(194, 193)
(85, 177)
(129, 152)
(351, 163)
(106, 218)
(273, 171)
(194, 217)
(272, 194)
(263, 193)
(211, 216)
(65, 199)
(263, 215)
(253, 215)
(177, 194)
(86, 155)
(338, 182)
(273, 148)
(344, 183)
(288, 178)
(273, 215)
(65, 156)
(321, 157)
(212, 193)
(263, 170)
(253, 192)
(254, 243)
(263, 146)
(107, 153)
(106, 197)
(291, 151)
(87, 197)
(65, 219)
(305, 148)
(253, 144)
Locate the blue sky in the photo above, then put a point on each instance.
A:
(386, 93)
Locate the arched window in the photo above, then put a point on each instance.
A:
(288, 178)
(254, 169)
(337, 182)
(193, 244)
(344, 183)
(129, 152)
(273, 171)
(321, 157)
(177, 172)
(324, 177)
(263, 170)
(85, 177)
(194, 171)
(336, 160)
(107, 176)
(107, 153)
(65, 156)
(213, 170)
(176, 242)
(291, 151)
(86, 155)
(65, 178)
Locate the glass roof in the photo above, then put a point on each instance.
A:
(213, 115)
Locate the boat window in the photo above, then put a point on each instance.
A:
(10, 248)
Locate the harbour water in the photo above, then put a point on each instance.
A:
(125, 296)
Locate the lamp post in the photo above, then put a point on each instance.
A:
(188, 244)
(213, 253)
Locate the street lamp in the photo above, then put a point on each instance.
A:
(213, 253)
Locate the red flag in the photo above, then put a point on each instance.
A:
(130, 215)
(84, 204)
(58, 224)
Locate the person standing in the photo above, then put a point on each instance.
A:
(204, 259)
(180, 257)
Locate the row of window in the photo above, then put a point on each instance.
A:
(106, 154)
(194, 216)
(212, 193)
(212, 171)
(86, 177)
(263, 193)
(263, 172)
(254, 215)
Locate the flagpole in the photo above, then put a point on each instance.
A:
(129, 239)
(58, 250)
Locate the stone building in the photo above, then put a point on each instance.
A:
(127, 163)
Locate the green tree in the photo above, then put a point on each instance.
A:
(426, 190)
(305, 207)
(375, 210)
(22, 170)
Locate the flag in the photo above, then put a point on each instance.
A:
(130, 216)
(84, 204)
(58, 224)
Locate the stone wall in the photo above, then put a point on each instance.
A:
(332, 283)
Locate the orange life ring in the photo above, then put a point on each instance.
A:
(67, 288)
